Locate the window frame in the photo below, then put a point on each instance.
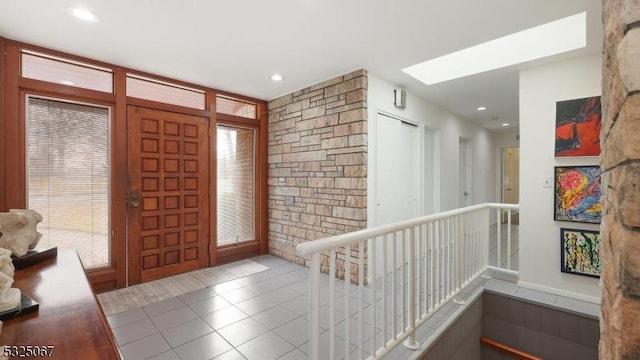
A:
(29, 95)
(255, 179)
(228, 253)
(12, 157)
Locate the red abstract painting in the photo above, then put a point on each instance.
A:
(578, 127)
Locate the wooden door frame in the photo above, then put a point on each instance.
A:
(259, 245)
(2, 120)
(213, 179)
(136, 273)
(101, 277)
(12, 166)
(11, 170)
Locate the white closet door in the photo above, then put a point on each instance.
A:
(397, 171)
(397, 178)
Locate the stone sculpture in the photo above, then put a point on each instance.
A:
(9, 297)
(18, 230)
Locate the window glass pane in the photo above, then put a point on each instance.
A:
(225, 105)
(235, 185)
(68, 176)
(149, 89)
(62, 71)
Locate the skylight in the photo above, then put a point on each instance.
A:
(552, 38)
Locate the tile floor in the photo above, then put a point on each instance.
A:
(515, 246)
(260, 316)
(264, 316)
(139, 295)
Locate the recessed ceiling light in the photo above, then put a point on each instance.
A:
(552, 38)
(67, 82)
(84, 14)
(276, 77)
(505, 124)
(482, 108)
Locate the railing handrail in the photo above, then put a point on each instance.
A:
(311, 247)
(506, 349)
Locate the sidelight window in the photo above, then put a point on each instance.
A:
(236, 184)
(68, 167)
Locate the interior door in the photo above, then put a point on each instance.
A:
(510, 175)
(397, 178)
(168, 199)
(397, 170)
(464, 173)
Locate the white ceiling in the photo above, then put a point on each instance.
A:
(237, 45)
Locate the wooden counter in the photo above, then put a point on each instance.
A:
(70, 318)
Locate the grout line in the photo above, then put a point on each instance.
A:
(121, 300)
(273, 291)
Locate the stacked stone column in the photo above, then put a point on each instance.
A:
(620, 162)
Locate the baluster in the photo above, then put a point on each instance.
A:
(509, 239)
(394, 288)
(347, 302)
(360, 298)
(499, 240)
(432, 271)
(332, 303)
(314, 307)
(419, 267)
(385, 275)
(403, 282)
(411, 342)
(373, 298)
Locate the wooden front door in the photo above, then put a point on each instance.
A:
(168, 193)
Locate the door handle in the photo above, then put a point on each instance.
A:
(134, 199)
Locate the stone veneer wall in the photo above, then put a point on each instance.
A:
(620, 161)
(318, 166)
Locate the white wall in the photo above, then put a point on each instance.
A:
(448, 128)
(540, 88)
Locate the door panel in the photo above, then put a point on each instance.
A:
(464, 173)
(510, 179)
(397, 173)
(168, 201)
(397, 178)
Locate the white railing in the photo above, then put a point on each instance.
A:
(414, 267)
